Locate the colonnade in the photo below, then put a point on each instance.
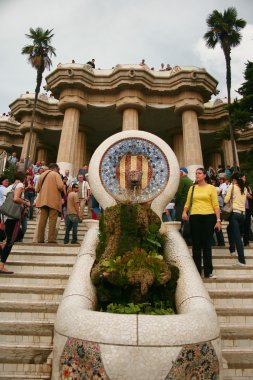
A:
(72, 151)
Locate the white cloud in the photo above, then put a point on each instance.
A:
(116, 31)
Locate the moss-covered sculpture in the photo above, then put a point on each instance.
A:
(129, 265)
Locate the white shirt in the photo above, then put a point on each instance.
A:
(224, 188)
(84, 191)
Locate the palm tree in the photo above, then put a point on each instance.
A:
(39, 53)
(225, 30)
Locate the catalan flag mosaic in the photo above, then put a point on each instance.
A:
(129, 156)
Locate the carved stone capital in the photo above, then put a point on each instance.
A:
(130, 99)
(189, 104)
(72, 98)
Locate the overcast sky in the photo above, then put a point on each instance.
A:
(117, 31)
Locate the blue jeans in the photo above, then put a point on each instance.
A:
(30, 197)
(71, 223)
(235, 232)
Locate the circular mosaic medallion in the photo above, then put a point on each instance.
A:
(134, 169)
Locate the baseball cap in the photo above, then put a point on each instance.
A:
(183, 169)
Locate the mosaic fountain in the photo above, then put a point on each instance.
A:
(90, 344)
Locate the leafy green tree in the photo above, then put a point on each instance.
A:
(224, 29)
(242, 115)
(39, 56)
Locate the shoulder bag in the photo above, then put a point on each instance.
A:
(227, 210)
(9, 207)
(186, 229)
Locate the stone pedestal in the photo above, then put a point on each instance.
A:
(68, 140)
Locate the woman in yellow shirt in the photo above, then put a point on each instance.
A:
(204, 218)
(236, 220)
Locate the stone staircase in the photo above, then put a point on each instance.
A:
(232, 295)
(30, 297)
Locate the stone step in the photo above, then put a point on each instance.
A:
(237, 335)
(28, 310)
(232, 270)
(232, 298)
(237, 312)
(229, 282)
(25, 371)
(46, 257)
(24, 353)
(35, 278)
(34, 376)
(37, 328)
(31, 292)
(235, 377)
(35, 266)
(231, 260)
(29, 306)
(26, 339)
(239, 358)
(56, 249)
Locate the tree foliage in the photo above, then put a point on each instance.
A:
(224, 29)
(39, 56)
(39, 52)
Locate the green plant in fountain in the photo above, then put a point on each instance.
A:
(129, 267)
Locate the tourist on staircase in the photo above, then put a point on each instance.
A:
(4, 183)
(12, 226)
(49, 201)
(73, 215)
(248, 213)
(218, 233)
(237, 193)
(204, 218)
(83, 194)
(29, 193)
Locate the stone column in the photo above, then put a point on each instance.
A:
(80, 152)
(42, 154)
(68, 140)
(178, 148)
(72, 102)
(130, 102)
(130, 119)
(32, 147)
(228, 152)
(215, 160)
(190, 105)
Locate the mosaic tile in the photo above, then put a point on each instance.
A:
(81, 360)
(195, 362)
(129, 154)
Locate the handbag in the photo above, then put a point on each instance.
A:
(227, 210)
(186, 227)
(9, 207)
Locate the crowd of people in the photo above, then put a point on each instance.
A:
(53, 196)
(199, 206)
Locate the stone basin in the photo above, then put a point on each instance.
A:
(127, 347)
